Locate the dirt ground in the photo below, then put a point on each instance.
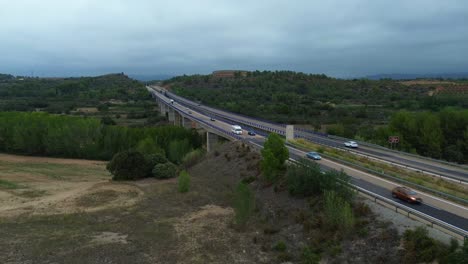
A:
(75, 214)
(45, 186)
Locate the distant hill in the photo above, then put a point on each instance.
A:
(398, 76)
(150, 77)
(61, 94)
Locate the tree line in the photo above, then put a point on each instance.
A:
(441, 134)
(75, 137)
(59, 95)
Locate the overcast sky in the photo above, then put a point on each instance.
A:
(338, 38)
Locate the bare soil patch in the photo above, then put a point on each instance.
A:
(56, 186)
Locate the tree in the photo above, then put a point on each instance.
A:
(274, 155)
(108, 121)
(127, 165)
(148, 146)
(165, 170)
(178, 149)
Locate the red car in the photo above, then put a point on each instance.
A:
(406, 194)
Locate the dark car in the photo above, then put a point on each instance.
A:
(406, 194)
(212, 119)
(314, 156)
(251, 133)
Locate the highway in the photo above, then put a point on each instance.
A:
(419, 164)
(443, 210)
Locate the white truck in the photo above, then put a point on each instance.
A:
(236, 129)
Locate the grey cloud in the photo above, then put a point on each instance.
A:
(340, 38)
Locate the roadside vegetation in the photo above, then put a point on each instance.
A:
(428, 123)
(420, 248)
(428, 181)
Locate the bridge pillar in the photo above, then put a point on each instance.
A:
(162, 108)
(171, 115)
(289, 132)
(211, 141)
(186, 123)
(178, 119)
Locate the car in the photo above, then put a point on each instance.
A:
(351, 144)
(406, 194)
(189, 112)
(212, 119)
(251, 133)
(314, 156)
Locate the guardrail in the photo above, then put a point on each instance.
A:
(435, 223)
(322, 142)
(225, 133)
(390, 177)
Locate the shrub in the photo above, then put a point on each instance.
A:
(338, 212)
(419, 247)
(164, 170)
(309, 256)
(458, 256)
(248, 179)
(305, 179)
(177, 150)
(107, 121)
(184, 181)
(128, 165)
(243, 204)
(280, 246)
(193, 157)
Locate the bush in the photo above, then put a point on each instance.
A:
(107, 121)
(128, 165)
(244, 204)
(164, 170)
(305, 179)
(178, 149)
(280, 246)
(184, 181)
(419, 247)
(154, 159)
(309, 256)
(193, 157)
(457, 256)
(338, 212)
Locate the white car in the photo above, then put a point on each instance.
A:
(351, 144)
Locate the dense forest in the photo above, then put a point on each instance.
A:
(77, 137)
(358, 108)
(57, 95)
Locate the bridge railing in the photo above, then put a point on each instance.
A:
(223, 132)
